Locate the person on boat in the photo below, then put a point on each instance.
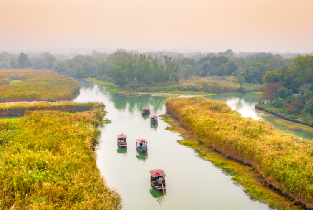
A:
(160, 181)
(140, 144)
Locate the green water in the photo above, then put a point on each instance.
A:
(192, 183)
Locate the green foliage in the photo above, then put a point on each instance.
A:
(23, 61)
(48, 162)
(37, 86)
(186, 71)
(100, 82)
(309, 107)
(278, 102)
(282, 159)
(240, 80)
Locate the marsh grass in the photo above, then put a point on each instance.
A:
(293, 126)
(37, 85)
(47, 162)
(242, 175)
(100, 82)
(282, 160)
(19, 108)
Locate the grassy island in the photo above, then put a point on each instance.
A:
(35, 85)
(47, 161)
(281, 160)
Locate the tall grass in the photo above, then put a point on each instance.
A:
(19, 108)
(282, 159)
(37, 85)
(47, 162)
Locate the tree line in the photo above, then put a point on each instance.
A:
(124, 67)
(291, 88)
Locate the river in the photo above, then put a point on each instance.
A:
(192, 183)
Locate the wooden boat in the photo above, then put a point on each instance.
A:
(154, 119)
(145, 111)
(157, 179)
(121, 140)
(142, 145)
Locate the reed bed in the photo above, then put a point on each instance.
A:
(37, 85)
(47, 162)
(19, 108)
(282, 159)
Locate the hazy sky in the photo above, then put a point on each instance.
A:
(207, 25)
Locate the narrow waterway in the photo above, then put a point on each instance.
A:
(192, 183)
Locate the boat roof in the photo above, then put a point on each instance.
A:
(141, 140)
(121, 136)
(154, 115)
(157, 171)
(146, 108)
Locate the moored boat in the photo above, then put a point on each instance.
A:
(142, 145)
(121, 140)
(157, 179)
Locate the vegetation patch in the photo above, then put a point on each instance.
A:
(282, 160)
(190, 93)
(100, 82)
(114, 90)
(15, 81)
(241, 174)
(38, 85)
(47, 162)
(293, 126)
(19, 108)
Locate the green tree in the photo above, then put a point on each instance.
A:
(240, 80)
(186, 71)
(23, 61)
(50, 61)
(13, 63)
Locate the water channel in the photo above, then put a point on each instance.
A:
(192, 183)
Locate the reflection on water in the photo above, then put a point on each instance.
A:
(121, 149)
(245, 105)
(157, 194)
(141, 156)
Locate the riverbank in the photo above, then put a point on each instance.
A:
(48, 162)
(37, 85)
(281, 160)
(195, 86)
(282, 114)
(242, 175)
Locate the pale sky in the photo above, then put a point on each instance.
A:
(204, 25)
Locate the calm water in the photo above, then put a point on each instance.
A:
(244, 103)
(192, 183)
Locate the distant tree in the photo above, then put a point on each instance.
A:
(186, 71)
(309, 107)
(271, 90)
(284, 93)
(23, 61)
(240, 80)
(13, 63)
(294, 106)
(50, 61)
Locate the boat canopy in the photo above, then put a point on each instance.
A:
(154, 116)
(157, 172)
(144, 109)
(141, 140)
(121, 136)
